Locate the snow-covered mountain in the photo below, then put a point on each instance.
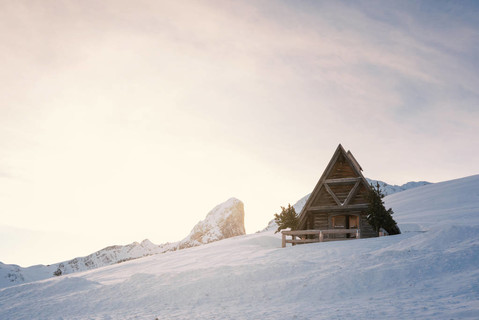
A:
(224, 221)
(430, 271)
(386, 188)
(389, 189)
(13, 274)
(108, 256)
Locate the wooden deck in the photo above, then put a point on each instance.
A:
(302, 235)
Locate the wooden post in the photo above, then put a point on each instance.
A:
(320, 236)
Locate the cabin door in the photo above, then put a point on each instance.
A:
(345, 222)
(353, 222)
(339, 222)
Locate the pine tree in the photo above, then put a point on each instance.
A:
(377, 215)
(286, 219)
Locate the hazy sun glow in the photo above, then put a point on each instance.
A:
(122, 121)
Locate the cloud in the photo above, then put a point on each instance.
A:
(111, 110)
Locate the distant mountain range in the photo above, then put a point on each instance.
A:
(223, 221)
(389, 189)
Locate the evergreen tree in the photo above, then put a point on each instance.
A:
(378, 217)
(286, 219)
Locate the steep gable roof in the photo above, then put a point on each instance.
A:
(338, 184)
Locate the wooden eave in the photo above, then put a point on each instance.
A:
(355, 162)
(338, 208)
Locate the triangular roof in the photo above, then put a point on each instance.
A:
(351, 169)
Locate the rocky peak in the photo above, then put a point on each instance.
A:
(226, 220)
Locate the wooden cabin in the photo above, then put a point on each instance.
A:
(336, 209)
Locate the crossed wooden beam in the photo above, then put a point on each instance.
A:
(340, 181)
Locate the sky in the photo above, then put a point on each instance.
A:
(121, 120)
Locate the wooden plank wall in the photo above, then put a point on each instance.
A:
(341, 169)
(323, 198)
(319, 221)
(342, 190)
(361, 196)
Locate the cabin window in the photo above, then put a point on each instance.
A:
(353, 222)
(345, 222)
(339, 222)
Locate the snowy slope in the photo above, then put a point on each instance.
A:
(224, 221)
(432, 274)
(110, 255)
(451, 202)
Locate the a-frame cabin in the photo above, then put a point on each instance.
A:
(339, 200)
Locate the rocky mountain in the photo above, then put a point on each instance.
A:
(386, 188)
(226, 220)
(223, 221)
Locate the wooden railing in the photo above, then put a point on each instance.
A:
(302, 234)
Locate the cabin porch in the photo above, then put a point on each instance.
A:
(311, 236)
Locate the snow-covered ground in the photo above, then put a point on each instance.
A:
(431, 271)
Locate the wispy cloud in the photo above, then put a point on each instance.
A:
(109, 108)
